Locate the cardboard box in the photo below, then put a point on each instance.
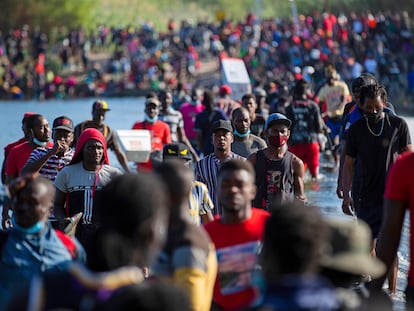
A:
(136, 144)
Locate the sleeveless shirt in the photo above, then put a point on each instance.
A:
(274, 180)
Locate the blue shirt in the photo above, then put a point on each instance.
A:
(25, 255)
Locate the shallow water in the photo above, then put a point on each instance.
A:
(126, 111)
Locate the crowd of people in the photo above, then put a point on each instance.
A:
(275, 50)
(217, 217)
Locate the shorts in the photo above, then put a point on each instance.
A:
(335, 127)
(309, 154)
(371, 213)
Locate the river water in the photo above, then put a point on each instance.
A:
(126, 111)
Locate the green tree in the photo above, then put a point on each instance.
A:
(46, 13)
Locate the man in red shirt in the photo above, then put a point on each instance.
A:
(237, 235)
(10, 146)
(160, 133)
(399, 198)
(38, 135)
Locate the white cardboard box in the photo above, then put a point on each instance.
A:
(136, 144)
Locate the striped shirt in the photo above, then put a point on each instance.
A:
(174, 119)
(53, 165)
(200, 202)
(206, 171)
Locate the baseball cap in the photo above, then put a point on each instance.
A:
(100, 105)
(348, 249)
(277, 118)
(153, 101)
(222, 125)
(176, 150)
(225, 89)
(63, 123)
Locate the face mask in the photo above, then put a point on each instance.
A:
(36, 228)
(151, 120)
(277, 141)
(373, 117)
(39, 143)
(195, 102)
(240, 134)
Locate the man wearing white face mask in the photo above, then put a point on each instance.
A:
(279, 173)
(160, 132)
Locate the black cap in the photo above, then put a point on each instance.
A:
(176, 150)
(222, 125)
(63, 123)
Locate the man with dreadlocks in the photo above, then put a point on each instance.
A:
(376, 140)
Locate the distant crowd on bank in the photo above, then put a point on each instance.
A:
(65, 63)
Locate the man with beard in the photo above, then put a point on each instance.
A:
(99, 109)
(279, 173)
(10, 146)
(39, 135)
(245, 143)
(38, 132)
(206, 169)
(237, 235)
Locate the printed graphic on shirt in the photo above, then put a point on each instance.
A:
(238, 268)
(273, 179)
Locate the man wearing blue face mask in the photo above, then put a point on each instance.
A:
(160, 132)
(38, 136)
(245, 143)
(376, 140)
(31, 247)
(279, 173)
(38, 133)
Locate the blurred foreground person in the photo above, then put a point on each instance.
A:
(399, 199)
(31, 247)
(293, 239)
(237, 235)
(188, 258)
(133, 229)
(347, 262)
(200, 206)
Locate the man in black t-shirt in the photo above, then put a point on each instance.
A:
(376, 140)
